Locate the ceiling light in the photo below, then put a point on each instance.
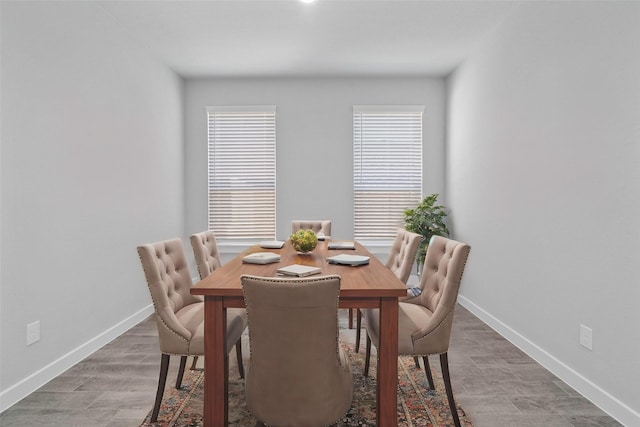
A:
(307, 1)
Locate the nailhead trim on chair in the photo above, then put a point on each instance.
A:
(450, 314)
(155, 309)
(284, 280)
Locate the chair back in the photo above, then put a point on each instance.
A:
(206, 253)
(440, 283)
(403, 254)
(297, 374)
(317, 226)
(169, 281)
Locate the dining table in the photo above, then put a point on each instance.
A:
(371, 285)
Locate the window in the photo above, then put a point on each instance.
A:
(387, 168)
(242, 172)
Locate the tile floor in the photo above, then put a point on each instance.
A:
(496, 384)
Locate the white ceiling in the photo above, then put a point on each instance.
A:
(198, 38)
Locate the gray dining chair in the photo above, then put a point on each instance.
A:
(298, 374)
(425, 321)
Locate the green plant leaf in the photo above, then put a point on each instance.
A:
(426, 219)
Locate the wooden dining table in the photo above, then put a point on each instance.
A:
(365, 286)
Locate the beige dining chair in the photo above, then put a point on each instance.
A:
(207, 256)
(400, 261)
(425, 321)
(179, 315)
(318, 226)
(298, 374)
(206, 253)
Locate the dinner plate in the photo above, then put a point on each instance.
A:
(261, 258)
(347, 259)
(341, 245)
(272, 244)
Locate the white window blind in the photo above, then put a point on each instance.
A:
(387, 168)
(242, 172)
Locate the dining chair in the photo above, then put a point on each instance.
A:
(400, 261)
(298, 374)
(425, 321)
(206, 253)
(318, 226)
(179, 315)
(207, 256)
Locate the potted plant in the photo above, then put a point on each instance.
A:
(426, 219)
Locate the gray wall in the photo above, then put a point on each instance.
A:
(542, 179)
(314, 129)
(543, 182)
(91, 167)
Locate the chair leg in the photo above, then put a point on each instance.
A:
(350, 318)
(194, 363)
(427, 370)
(444, 362)
(183, 364)
(358, 327)
(162, 380)
(367, 356)
(239, 357)
(416, 362)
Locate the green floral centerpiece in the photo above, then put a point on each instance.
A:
(304, 240)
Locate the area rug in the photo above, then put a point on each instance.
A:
(417, 405)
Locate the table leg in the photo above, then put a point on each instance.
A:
(216, 369)
(387, 379)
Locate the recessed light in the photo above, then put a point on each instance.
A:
(307, 1)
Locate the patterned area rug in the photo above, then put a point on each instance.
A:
(417, 405)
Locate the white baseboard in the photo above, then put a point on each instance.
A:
(591, 391)
(28, 385)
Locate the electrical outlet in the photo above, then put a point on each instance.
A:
(586, 337)
(33, 332)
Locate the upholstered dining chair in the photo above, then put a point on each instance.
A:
(207, 256)
(400, 261)
(318, 226)
(206, 253)
(298, 374)
(179, 315)
(425, 321)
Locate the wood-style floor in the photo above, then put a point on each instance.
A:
(495, 383)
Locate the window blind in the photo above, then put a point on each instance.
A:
(387, 168)
(242, 172)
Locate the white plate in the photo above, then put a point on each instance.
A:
(272, 244)
(347, 259)
(341, 245)
(261, 258)
(299, 270)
